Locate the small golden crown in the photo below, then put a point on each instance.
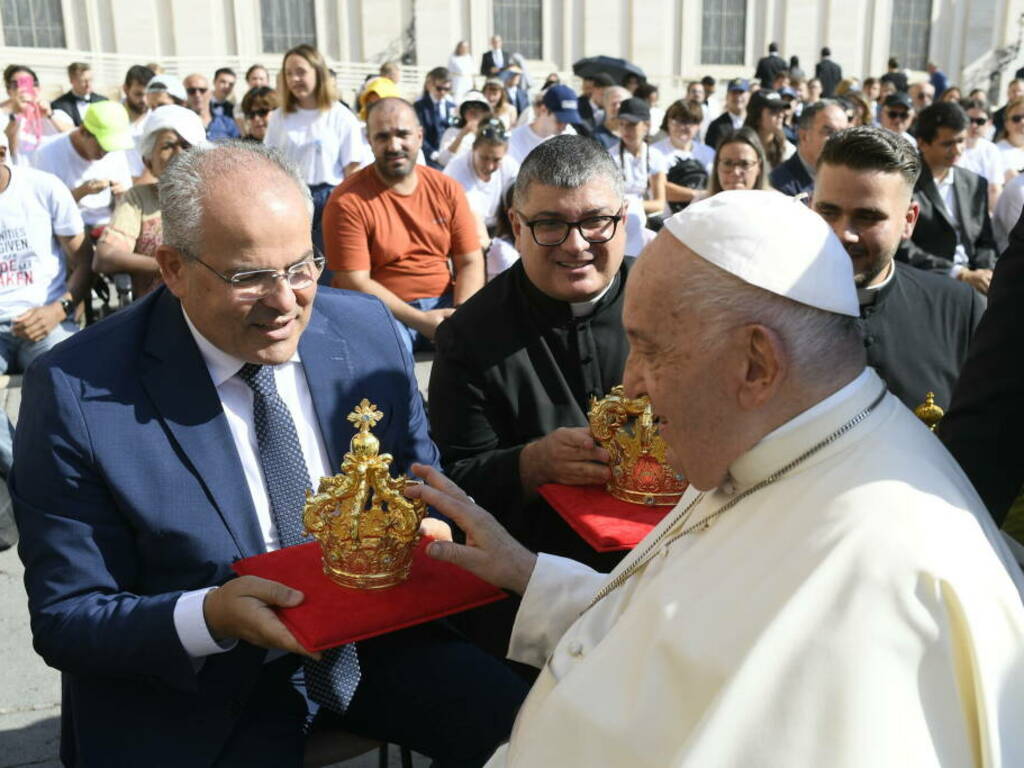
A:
(625, 428)
(366, 527)
(929, 412)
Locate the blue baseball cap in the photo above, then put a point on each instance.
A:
(739, 84)
(561, 101)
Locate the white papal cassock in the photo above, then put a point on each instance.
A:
(851, 615)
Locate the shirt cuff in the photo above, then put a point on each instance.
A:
(558, 590)
(190, 624)
(955, 270)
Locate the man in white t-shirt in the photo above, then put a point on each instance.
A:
(981, 155)
(486, 171)
(554, 116)
(91, 162)
(40, 230)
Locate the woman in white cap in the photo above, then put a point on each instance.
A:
(458, 140)
(130, 240)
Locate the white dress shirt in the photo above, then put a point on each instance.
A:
(945, 187)
(237, 400)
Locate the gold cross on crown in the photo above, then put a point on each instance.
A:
(365, 416)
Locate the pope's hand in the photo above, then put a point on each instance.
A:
(568, 455)
(490, 552)
(243, 609)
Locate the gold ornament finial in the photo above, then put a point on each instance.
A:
(640, 472)
(366, 527)
(930, 413)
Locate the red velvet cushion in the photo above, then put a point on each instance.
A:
(333, 615)
(604, 522)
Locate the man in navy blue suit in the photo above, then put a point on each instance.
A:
(818, 122)
(143, 468)
(435, 111)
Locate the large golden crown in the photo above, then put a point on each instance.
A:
(366, 527)
(625, 428)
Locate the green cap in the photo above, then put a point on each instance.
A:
(108, 122)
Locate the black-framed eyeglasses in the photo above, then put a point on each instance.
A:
(493, 129)
(255, 284)
(257, 113)
(594, 229)
(979, 121)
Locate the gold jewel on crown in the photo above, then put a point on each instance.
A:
(640, 473)
(366, 527)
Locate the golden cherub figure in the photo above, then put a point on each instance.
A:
(366, 527)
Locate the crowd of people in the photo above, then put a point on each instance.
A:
(787, 265)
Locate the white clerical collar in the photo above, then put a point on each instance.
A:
(868, 294)
(219, 363)
(803, 431)
(584, 308)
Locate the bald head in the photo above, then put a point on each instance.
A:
(197, 89)
(395, 137)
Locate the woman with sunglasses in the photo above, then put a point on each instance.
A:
(485, 172)
(319, 136)
(129, 242)
(458, 139)
(257, 105)
(980, 154)
(765, 115)
(1011, 139)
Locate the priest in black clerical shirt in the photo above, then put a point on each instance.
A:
(917, 325)
(516, 366)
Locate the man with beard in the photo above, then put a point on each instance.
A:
(918, 325)
(390, 229)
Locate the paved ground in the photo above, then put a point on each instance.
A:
(29, 690)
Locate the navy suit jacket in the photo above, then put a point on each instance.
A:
(433, 126)
(128, 491)
(791, 178)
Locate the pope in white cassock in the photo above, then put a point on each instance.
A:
(829, 592)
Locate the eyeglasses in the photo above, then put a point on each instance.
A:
(743, 165)
(256, 284)
(979, 121)
(257, 113)
(443, 87)
(897, 114)
(493, 129)
(551, 232)
(194, 91)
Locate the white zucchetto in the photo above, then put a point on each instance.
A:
(772, 241)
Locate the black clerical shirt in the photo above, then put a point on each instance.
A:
(513, 365)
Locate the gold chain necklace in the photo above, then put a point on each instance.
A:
(667, 537)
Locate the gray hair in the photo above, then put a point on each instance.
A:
(566, 162)
(821, 345)
(811, 111)
(183, 184)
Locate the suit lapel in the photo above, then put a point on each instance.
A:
(178, 382)
(331, 376)
(931, 191)
(961, 199)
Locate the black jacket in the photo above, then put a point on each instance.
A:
(917, 332)
(511, 366)
(768, 67)
(830, 75)
(487, 62)
(935, 237)
(718, 129)
(898, 80)
(69, 103)
(791, 178)
(984, 428)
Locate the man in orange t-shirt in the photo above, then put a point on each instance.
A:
(391, 228)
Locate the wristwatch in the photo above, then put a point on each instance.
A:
(68, 305)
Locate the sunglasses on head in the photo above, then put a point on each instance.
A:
(493, 129)
(193, 91)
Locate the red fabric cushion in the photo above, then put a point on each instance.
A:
(604, 522)
(333, 615)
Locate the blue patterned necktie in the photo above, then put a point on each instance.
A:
(331, 682)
